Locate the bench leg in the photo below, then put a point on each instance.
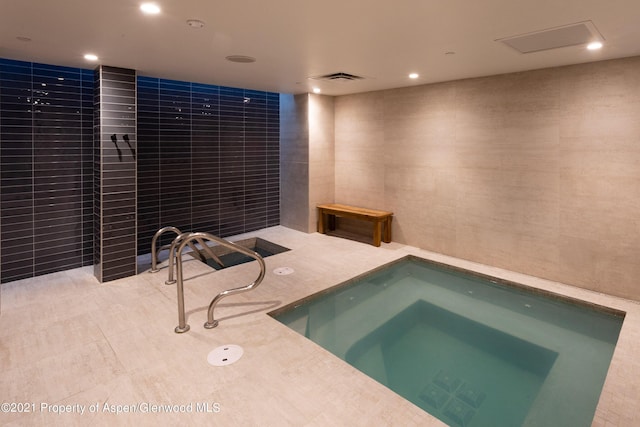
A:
(321, 229)
(387, 230)
(377, 232)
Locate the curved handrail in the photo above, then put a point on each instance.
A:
(154, 251)
(211, 323)
(172, 253)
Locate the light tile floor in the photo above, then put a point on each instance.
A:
(68, 343)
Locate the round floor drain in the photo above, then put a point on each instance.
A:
(283, 271)
(225, 355)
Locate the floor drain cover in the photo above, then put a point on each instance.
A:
(225, 355)
(283, 271)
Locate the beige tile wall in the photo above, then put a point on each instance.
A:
(321, 154)
(536, 172)
(294, 161)
(307, 159)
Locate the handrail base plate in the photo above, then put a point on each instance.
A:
(208, 325)
(180, 330)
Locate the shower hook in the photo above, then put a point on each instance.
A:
(126, 139)
(114, 139)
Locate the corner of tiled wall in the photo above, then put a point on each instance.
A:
(321, 154)
(115, 174)
(294, 161)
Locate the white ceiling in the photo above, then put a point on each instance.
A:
(295, 39)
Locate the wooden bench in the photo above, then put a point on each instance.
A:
(381, 220)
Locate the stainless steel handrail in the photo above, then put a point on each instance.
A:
(171, 247)
(211, 322)
(172, 253)
(154, 251)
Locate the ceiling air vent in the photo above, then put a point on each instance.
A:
(552, 38)
(338, 77)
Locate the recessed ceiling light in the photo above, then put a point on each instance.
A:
(241, 59)
(414, 75)
(150, 8)
(594, 45)
(195, 23)
(91, 57)
(316, 90)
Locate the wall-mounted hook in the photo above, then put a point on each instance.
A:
(126, 139)
(114, 139)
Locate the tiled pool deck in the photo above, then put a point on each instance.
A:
(70, 343)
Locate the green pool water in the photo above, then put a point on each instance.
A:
(467, 349)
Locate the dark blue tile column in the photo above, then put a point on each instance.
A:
(115, 226)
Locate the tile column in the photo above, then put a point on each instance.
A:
(114, 173)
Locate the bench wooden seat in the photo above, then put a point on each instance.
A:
(381, 219)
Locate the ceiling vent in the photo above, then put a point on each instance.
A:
(338, 77)
(567, 35)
